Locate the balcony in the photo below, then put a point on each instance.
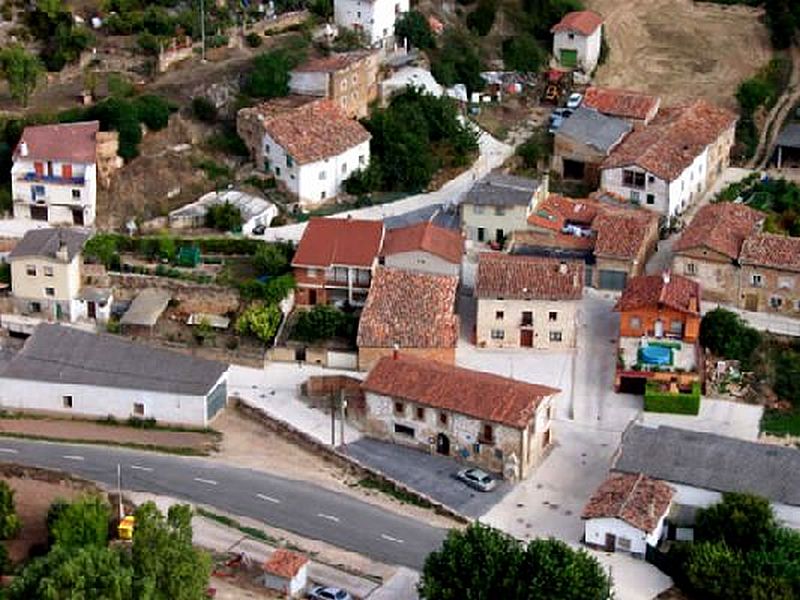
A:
(52, 179)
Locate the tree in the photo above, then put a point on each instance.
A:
(481, 19)
(523, 53)
(22, 71)
(153, 111)
(483, 563)
(273, 259)
(9, 521)
(322, 322)
(203, 109)
(742, 521)
(80, 523)
(260, 320)
(269, 77)
(727, 335)
(103, 247)
(457, 61)
(414, 27)
(224, 217)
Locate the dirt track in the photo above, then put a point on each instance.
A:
(680, 49)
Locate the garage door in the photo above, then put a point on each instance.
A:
(612, 280)
(569, 58)
(39, 213)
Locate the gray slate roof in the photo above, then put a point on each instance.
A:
(594, 129)
(712, 462)
(789, 136)
(46, 242)
(497, 189)
(61, 354)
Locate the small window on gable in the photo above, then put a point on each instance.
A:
(635, 323)
(30, 270)
(66, 401)
(552, 316)
(138, 409)
(442, 418)
(420, 413)
(48, 271)
(399, 408)
(498, 315)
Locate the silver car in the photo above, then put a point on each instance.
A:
(328, 593)
(476, 478)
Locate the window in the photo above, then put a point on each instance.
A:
(552, 316)
(481, 234)
(442, 418)
(651, 178)
(499, 314)
(419, 413)
(311, 273)
(323, 175)
(555, 336)
(786, 283)
(404, 430)
(397, 9)
(266, 148)
(38, 191)
(48, 291)
(571, 36)
(278, 171)
(361, 159)
(651, 199)
(527, 318)
(322, 195)
(48, 271)
(478, 209)
(676, 327)
(358, 14)
(66, 401)
(498, 334)
(623, 544)
(756, 280)
(399, 408)
(635, 323)
(30, 270)
(499, 211)
(632, 179)
(289, 161)
(487, 434)
(635, 197)
(138, 409)
(776, 302)
(35, 307)
(690, 269)
(498, 453)
(76, 194)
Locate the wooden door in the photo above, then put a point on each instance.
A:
(66, 171)
(91, 310)
(611, 542)
(751, 302)
(526, 338)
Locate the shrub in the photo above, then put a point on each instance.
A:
(273, 259)
(153, 111)
(261, 321)
(253, 40)
(322, 322)
(725, 334)
(224, 217)
(80, 523)
(9, 521)
(414, 27)
(203, 109)
(269, 76)
(523, 53)
(481, 19)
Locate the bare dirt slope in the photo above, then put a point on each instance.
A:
(681, 49)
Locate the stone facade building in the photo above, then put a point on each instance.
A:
(770, 274)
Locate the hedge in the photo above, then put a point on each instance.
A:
(665, 402)
(220, 245)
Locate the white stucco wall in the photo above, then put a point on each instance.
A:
(309, 83)
(57, 195)
(508, 219)
(423, 262)
(587, 47)
(564, 323)
(595, 531)
(376, 18)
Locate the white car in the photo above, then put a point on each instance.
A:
(477, 478)
(574, 101)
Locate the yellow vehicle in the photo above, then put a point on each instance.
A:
(125, 528)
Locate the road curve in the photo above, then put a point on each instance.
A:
(296, 506)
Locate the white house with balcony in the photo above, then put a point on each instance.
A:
(375, 18)
(54, 173)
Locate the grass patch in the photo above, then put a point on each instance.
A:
(179, 450)
(372, 483)
(781, 423)
(253, 532)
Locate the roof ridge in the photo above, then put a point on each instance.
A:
(630, 494)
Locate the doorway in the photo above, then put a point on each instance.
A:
(751, 302)
(39, 213)
(312, 297)
(443, 444)
(91, 310)
(77, 216)
(526, 338)
(611, 542)
(659, 328)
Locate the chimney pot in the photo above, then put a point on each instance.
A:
(396, 351)
(665, 276)
(23, 148)
(562, 268)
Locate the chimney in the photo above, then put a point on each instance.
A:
(562, 268)
(62, 253)
(665, 277)
(23, 148)
(396, 351)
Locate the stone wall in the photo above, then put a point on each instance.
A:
(193, 297)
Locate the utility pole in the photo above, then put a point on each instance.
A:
(333, 420)
(203, 31)
(343, 405)
(119, 492)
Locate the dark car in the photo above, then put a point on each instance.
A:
(259, 229)
(328, 593)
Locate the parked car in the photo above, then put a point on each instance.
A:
(564, 113)
(259, 229)
(574, 101)
(328, 593)
(477, 478)
(555, 123)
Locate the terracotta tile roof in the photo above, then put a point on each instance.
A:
(554, 211)
(346, 242)
(771, 250)
(622, 233)
(473, 393)
(621, 103)
(522, 240)
(312, 131)
(333, 62)
(669, 290)
(412, 310)
(673, 139)
(528, 277)
(636, 499)
(721, 227)
(284, 563)
(584, 22)
(444, 243)
(73, 142)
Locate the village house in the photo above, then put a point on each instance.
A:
(658, 332)
(348, 79)
(577, 39)
(625, 240)
(667, 165)
(498, 423)
(423, 247)
(411, 312)
(770, 274)
(374, 18)
(708, 249)
(498, 205)
(55, 172)
(627, 513)
(583, 142)
(335, 260)
(701, 466)
(47, 277)
(527, 301)
(635, 107)
(311, 147)
(68, 371)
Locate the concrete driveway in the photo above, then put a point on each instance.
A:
(426, 473)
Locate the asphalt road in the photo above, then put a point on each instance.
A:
(296, 506)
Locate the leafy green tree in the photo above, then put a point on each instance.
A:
(22, 71)
(273, 259)
(523, 53)
(81, 523)
(260, 320)
(153, 111)
(714, 568)
(536, 148)
(167, 249)
(457, 61)
(224, 217)
(203, 109)
(414, 27)
(102, 247)
(269, 77)
(322, 322)
(321, 8)
(786, 382)
(727, 335)
(271, 292)
(481, 19)
(9, 521)
(742, 521)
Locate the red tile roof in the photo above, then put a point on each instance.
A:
(73, 142)
(549, 240)
(444, 243)
(346, 242)
(584, 22)
(412, 310)
(473, 393)
(554, 211)
(528, 277)
(770, 250)
(672, 140)
(333, 62)
(668, 290)
(622, 233)
(312, 131)
(284, 563)
(636, 499)
(621, 103)
(721, 227)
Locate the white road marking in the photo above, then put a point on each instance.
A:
(391, 539)
(9, 450)
(140, 468)
(73, 457)
(269, 498)
(208, 481)
(329, 517)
